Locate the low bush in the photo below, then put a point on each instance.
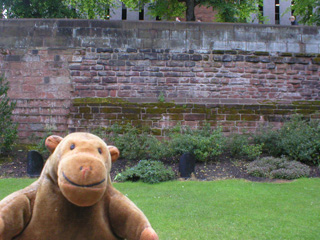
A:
(131, 143)
(135, 144)
(204, 143)
(240, 145)
(270, 140)
(147, 171)
(279, 168)
(298, 139)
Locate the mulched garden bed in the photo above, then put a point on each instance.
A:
(223, 168)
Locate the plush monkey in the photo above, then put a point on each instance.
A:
(74, 199)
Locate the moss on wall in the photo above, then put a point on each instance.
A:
(160, 115)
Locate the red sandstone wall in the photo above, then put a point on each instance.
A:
(233, 89)
(40, 83)
(77, 75)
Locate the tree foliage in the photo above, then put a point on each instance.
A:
(227, 10)
(235, 11)
(164, 9)
(37, 9)
(308, 11)
(92, 9)
(167, 9)
(8, 130)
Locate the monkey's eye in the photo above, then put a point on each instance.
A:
(100, 150)
(72, 147)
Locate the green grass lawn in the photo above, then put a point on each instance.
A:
(229, 209)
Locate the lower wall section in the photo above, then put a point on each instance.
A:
(36, 117)
(91, 113)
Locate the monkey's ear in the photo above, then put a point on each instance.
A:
(114, 152)
(52, 142)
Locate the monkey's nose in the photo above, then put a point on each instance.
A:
(85, 170)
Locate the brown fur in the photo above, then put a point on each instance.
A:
(74, 198)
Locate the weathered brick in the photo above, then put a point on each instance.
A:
(151, 56)
(109, 80)
(110, 110)
(103, 50)
(250, 118)
(132, 50)
(181, 57)
(84, 110)
(194, 117)
(196, 57)
(151, 116)
(129, 116)
(177, 64)
(156, 110)
(116, 63)
(278, 59)
(131, 110)
(145, 50)
(217, 58)
(271, 66)
(226, 58)
(238, 58)
(138, 79)
(253, 59)
(172, 74)
(179, 110)
(218, 51)
(75, 67)
(265, 59)
(316, 60)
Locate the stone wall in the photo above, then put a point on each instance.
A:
(79, 74)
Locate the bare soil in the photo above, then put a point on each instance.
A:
(224, 168)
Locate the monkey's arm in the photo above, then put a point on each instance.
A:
(16, 211)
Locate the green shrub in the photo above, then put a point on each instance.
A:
(235, 144)
(158, 149)
(279, 168)
(131, 142)
(270, 140)
(147, 171)
(298, 139)
(8, 130)
(101, 132)
(41, 147)
(136, 144)
(239, 146)
(252, 151)
(204, 143)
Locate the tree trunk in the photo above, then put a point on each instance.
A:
(190, 10)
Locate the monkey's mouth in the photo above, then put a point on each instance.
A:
(80, 185)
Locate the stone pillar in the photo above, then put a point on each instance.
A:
(147, 16)
(132, 14)
(116, 12)
(284, 18)
(269, 10)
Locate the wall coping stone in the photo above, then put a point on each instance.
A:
(182, 36)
